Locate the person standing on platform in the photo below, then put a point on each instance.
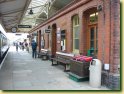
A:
(26, 46)
(17, 46)
(20, 45)
(23, 46)
(34, 49)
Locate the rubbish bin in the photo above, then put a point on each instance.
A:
(95, 73)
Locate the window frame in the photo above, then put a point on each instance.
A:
(76, 24)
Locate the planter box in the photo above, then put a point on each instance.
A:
(80, 68)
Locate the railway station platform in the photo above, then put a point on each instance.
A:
(22, 72)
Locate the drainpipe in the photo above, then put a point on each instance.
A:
(103, 36)
(107, 65)
(110, 37)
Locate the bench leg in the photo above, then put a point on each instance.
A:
(67, 67)
(44, 57)
(54, 63)
(39, 55)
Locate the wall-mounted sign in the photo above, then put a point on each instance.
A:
(34, 34)
(58, 35)
(18, 34)
(24, 26)
(42, 43)
(47, 30)
(14, 29)
(58, 30)
(28, 36)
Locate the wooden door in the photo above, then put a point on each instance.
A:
(93, 39)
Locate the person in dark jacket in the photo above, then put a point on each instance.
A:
(34, 49)
(17, 46)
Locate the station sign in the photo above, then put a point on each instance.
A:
(18, 34)
(28, 36)
(35, 34)
(47, 30)
(24, 26)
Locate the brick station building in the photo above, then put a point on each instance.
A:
(86, 27)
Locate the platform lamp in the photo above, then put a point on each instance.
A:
(31, 11)
(99, 8)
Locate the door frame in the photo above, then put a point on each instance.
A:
(95, 26)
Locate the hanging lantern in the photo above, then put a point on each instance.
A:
(31, 11)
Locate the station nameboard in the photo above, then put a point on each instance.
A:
(24, 26)
(18, 34)
(35, 34)
(47, 30)
(28, 36)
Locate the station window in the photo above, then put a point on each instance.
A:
(93, 43)
(76, 32)
(93, 17)
(63, 40)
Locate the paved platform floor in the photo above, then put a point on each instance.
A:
(22, 72)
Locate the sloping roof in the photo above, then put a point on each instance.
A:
(16, 12)
(37, 7)
(42, 10)
(11, 12)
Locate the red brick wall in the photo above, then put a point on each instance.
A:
(115, 35)
(108, 29)
(104, 32)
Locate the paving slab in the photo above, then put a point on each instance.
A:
(22, 72)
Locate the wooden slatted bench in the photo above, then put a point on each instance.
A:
(54, 61)
(43, 54)
(63, 59)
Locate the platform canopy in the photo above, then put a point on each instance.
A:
(29, 13)
(12, 12)
(38, 14)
